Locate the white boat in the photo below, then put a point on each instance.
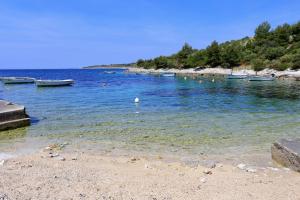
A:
(17, 80)
(53, 83)
(109, 72)
(237, 76)
(169, 74)
(261, 78)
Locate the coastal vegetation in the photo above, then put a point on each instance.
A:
(277, 48)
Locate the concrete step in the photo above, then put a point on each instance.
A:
(12, 124)
(12, 116)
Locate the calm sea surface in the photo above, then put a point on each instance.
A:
(174, 116)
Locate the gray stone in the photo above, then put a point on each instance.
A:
(287, 153)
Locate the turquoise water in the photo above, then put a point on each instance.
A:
(175, 115)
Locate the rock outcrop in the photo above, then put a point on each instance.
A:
(287, 153)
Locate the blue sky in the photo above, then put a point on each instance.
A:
(75, 33)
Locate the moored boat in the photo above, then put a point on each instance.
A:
(17, 80)
(54, 83)
(261, 78)
(168, 74)
(109, 72)
(237, 76)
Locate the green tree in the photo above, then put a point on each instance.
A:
(258, 65)
(213, 54)
(183, 55)
(230, 55)
(262, 31)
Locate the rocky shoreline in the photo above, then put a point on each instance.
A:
(292, 74)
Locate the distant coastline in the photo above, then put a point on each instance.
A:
(119, 66)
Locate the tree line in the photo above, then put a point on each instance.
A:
(277, 49)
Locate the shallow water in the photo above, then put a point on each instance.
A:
(175, 116)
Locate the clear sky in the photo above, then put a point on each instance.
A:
(75, 33)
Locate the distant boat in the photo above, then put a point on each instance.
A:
(237, 76)
(169, 74)
(261, 78)
(109, 72)
(17, 80)
(54, 83)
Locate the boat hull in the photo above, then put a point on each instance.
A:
(17, 80)
(169, 75)
(54, 83)
(261, 78)
(237, 76)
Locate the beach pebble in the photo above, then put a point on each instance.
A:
(207, 171)
(251, 170)
(74, 158)
(53, 155)
(133, 159)
(241, 166)
(48, 148)
(203, 180)
(219, 165)
(147, 166)
(61, 158)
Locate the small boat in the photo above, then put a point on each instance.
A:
(54, 83)
(17, 80)
(237, 76)
(261, 78)
(169, 74)
(109, 72)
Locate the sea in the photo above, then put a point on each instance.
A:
(183, 116)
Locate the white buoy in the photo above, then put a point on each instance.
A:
(136, 100)
(213, 80)
(185, 78)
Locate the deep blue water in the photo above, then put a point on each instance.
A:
(174, 115)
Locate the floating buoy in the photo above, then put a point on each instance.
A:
(185, 78)
(136, 100)
(200, 81)
(213, 80)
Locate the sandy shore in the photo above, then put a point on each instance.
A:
(220, 71)
(91, 176)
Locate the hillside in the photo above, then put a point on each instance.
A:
(277, 49)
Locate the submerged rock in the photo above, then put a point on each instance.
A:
(287, 153)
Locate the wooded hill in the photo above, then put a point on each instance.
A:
(277, 48)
